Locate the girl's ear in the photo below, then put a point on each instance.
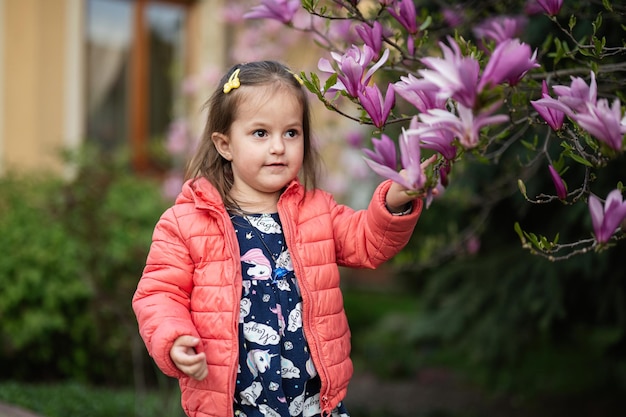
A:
(222, 145)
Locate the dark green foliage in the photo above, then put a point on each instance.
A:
(40, 269)
(74, 252)
(512, 321)
(75, 400)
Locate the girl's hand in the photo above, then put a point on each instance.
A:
(398, 196)
(186, 359)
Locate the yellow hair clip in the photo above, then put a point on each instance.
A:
(233, 82)
(297, 77)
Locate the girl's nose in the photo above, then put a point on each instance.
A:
(277, 145)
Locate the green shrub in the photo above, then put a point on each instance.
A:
(77, 400)
(73, 253)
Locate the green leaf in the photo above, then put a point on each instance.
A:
(522, 187)
(597, 23)
(520, 233)
(580, 160)
(572, 22)
(332, 80)
(600, 44)
(312, 84)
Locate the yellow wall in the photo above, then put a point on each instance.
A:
(42, 85)
(33, 84)
(42, 76)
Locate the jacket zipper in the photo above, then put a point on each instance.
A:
(308, 333)
(233, 246)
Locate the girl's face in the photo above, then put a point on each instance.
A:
(265, 145)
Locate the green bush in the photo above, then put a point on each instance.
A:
(41, 295)
(77, 400)
(73, 253)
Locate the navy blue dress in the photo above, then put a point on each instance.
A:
(276, 375)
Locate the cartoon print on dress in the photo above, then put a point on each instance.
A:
(259, 361)
(310, 368)
(297, 405)
(261, 269)
(283, 285)
(311, 406)
(281, 319)
(265, 223)
(260, 333)
(266, 410)
(288, 369)
(251, 394)
(246, 284)
(295, 318)
(284, 261)
(244, 308)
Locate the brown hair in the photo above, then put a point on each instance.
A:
(222, 107)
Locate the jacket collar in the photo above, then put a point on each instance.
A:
(201, 193)
(204, 195)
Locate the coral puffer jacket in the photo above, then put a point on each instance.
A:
(192, 284)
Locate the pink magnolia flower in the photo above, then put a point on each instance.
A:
(604, 122)
(551, 7)
(372, 35)
(453, 16)
(178, 138)
(509, 62)
(404, 12)
(501, 28)
(547, 107)
(559, 184)
(606, 219)
(420, 93)
(456, 76)
(377, 107)
(531, 7)
(384, 152)
(410, 155)
(578, 95)
(343, 31)
(436, 138)
(466, 126)
(355, 138)
(281, 10)
(351, 75)
(172, 185)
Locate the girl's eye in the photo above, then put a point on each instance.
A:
(260, 133)
(292, 133)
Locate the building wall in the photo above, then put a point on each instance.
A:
(2, 72)
(34, 85)
(42, 76)
(42, 55)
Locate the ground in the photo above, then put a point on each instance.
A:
(437, 392)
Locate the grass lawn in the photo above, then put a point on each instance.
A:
(68, 399)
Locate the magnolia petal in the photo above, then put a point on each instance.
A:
(597, 214)
(386, 172)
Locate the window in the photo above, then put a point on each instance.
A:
(135, 65)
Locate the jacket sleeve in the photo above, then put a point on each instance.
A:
(367, 238)
(162, 299)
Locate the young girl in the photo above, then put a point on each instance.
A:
(240, 296)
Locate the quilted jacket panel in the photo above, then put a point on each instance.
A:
(191, 284)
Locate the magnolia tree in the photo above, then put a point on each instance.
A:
(457, 81)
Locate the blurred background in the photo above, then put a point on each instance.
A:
(101, 102)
